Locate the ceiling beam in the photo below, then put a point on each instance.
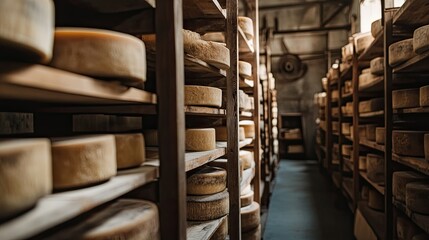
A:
(308, 30)
(334, 14)
(298, 4)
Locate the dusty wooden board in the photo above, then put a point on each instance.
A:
(374, 218)
(202, 230)
(38, 83)
(372, 144)
(205, 111)
(203, 9)
(422, 221)
(419, 164)
(412, 13)
(377, 187)
(57, 208)
(376, 85)
(112, 6)
(375, 49)
(418, 63)
(372, 114)
(411, 110)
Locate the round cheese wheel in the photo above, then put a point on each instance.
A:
(151, 137)
(130, 150)
(214, 37)
(254, 234)
(26, 30)
(246, 24)
(246, 189)
(241, 134)
(223, 163)
(377, 66)
(400, 52)
(362, 163)
(25, 174)
(207, 207)
(400, 180)
(246, 199)
(250, 217)
(421, 39)
(249, 128)
(366, 79)
(83, 161)
(100, 53)
(345, 127)
(362, 132)
(370, 131)
(376, 28)
(372, 105)
(417, 197)
(363, 41)
(203, 96)
(222, 134)
(405, 229)
(222, 231)
(375, 167)
(247, 159)
(424, 96)
(406, 98)
(379, 135)
(200, 139)
(207, 180)
(245, 69)
(408, 143)
(375, 200)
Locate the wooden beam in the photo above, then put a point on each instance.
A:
(308, 30)
(297, 4)
(333, 15)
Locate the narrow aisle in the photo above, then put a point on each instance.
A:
(305, 205)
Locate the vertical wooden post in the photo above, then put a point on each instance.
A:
(355, 82)
(329, 126)
(232, 122)
(340, 122)
(171, 118)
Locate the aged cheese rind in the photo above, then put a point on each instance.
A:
(83, 161)
(401, 179)
(424, 96)
(208, 180)
(130, 150)
(347, 149)
(376, 28)
(100, 53)
(25, 174)
(200, 139)
(363, 41)
(207, 207)
(375, 200)
(249, 128)
(375, 167)
(380, 135)
(366, 79)
(421, 39)
(372, 105)
(250, 217)
(377, 66)
(400, 52)
(222, 231)
(254, 234)
(214, 37)
(223, 163)
(362, 163)
(345, 127)
(370, 131)
(245, 69)
(247, 159)
(408, 143)
(246, 199)
(246, 24)
(405, 229)
(203, 96)
(417, 197)
(26, 30)
(406, 98)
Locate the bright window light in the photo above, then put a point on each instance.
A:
(370, 10)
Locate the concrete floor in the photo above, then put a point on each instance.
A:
(306, 205)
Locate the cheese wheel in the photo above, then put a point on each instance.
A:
(200, 139)
(421, 39)
(366, 70)
(372, 105)
(424, 96)
(222, 231)
(345, 128)
(130, 151)
(379, 135)
(375, 167)
(335, 126)
(246, 199)
(247, 159)
(203, 96)
(246, 189)
(362, 132)
(363, 41)
(417, 197)
(375, 200)
(245, 69)
(205, 181)
(405, 98)
(408, 143)
(362, 163)
(377, 66)
(366, 79)
(376, 28)
(151, 137)
(223, 163)
(370, 131)
(250, 217)
(400, 52)
(249, 128)
(246, 24)
(400, 180)
(214, 37)
(100, 53)
(26, 30)
(254, 234)
(346, 149)
(25, 174)
(347, 52)
(207, 207)
(405, 229)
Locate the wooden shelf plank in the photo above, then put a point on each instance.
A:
(412, 13)
(411, 110)
(377, 187)
(419, 164)
(422, 221)
(57, 208)
(202, 230)
(194, 9)
(245, 45)
(372, 114)
(375, 49)
(372, 144)
(374, 218)
(348, 95)
(205, 111)
(376, 85)
(418, 63)
(42, 84)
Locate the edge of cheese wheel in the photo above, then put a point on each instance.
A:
(375, 167)
(372, 105)
(245, 69)
(405, 229)
(26, 30)
(399, 181)
(151, 137)
(246, 199)
(214, 37)
(223, 163)
(375, 200)
(241, 133)
(200, 139)
(250, 217)
(400, 52)
(377, 66)
(254, 234)
(363, 41)
(346, 149)
(416, 197)
(202, 96)
(207, 207)
(100, 53)
(246, 189)
(362, 163)
(246, 24)
(83, 161)
(370, 131)
(376, 28)
(408, 143)
(249, 128)
(424, 96)
(406, 98)
(130, 150)
(25, 174)
(208, 180)
(247, 159)
(222, 231)
(380, 135)
(420, 39)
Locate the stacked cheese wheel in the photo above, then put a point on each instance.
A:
(203, 96)
(362, 41)
(251, 221)
(249, 128)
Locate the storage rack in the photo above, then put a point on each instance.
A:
(54, 96)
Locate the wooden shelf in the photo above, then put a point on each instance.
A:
(418, 63)
(348, 137)
(419, 164)
(376, 186)
(347, 186)
(202, 230)
(377, 85)
(205, 111)
(42, 84)
(57, 208)
(374, 218)
(196, 9)
(372, 144)
(347, 95)
(375, 49)
(412, 13)
(422, 221)
(372, 114)
(411, 110)
(245, 45)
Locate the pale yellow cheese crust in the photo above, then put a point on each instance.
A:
(130, 150)
(250, 217)
(200, 139)
(207, 207)
(208, 180)
(203, 96)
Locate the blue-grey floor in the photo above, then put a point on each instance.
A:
(305, 205)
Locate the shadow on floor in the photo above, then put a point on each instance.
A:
(306, 205)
